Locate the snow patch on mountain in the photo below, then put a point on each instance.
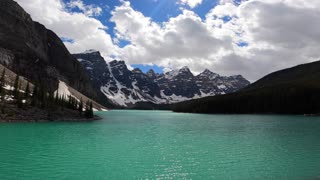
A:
(222, 86)
(89, 51)
(125, 87)
(63, 90)
(171, 74)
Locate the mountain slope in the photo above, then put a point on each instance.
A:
(10, 111)
(290, 91)
(31, 50)
(38, 55)
(302, 74)
(131, 88)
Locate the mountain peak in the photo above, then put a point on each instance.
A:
(185, 69)
(137, 70)
(238, 77)
(90, 51)
(171, 74)
(117, 62)
(207, 71)
(126, 87)
(208, 74)
(151, 73)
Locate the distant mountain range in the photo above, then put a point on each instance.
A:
(127, 88)
(39, 57)
(290, 91)
(30, 50)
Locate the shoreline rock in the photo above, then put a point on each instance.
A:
(33, 114)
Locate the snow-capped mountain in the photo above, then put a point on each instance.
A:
(125, 88)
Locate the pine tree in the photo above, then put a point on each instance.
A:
(87, 111)
(76, 105)
(27, 91)
(72, 103)
(35, 95)
(62, 102)
(80, 109)
(43, 97)
(50, 99)
(91, 110)
(56, 99)
(3, 108)
(19, 101)
(3, 105)
(16, 87)
(2, 80)
(69, 102)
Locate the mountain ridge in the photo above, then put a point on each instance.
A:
(126, 88)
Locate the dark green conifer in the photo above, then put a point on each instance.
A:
(19, 100)
(80, 109)
(2, 80)
(69, 106)
(16, 87)
(56, 99)
(91, 110)
(42, 96)
(76, 105)
(87, 111)
(2, 84)
(27, 91)
(35, 95)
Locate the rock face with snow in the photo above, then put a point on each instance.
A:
(179, 83)
(125, 88)
(31, 50)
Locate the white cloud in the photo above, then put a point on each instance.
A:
(87, 32)
(190, 3)
(183, 40)
(279, 33)
(89, 10)
(225, 9)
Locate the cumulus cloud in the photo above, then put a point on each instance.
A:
(85, 31)
(190, 3)
(279, 34)
(248, 37)
(89, 10)
(183, 40)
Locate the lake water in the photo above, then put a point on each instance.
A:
(163, 145)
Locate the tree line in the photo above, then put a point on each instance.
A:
(42, 97)
(298, 99)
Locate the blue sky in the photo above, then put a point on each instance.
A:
(158, 10)
(228, 37)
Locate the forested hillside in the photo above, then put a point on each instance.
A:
(290, 91)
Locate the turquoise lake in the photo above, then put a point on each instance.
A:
(163, 145)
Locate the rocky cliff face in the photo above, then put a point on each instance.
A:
(125, 88)
(33, 51)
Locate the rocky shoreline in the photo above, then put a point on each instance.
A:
(13, 114)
